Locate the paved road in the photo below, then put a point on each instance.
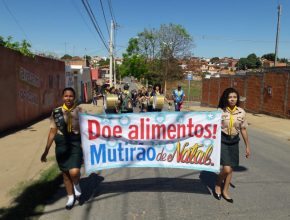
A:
(262, 190)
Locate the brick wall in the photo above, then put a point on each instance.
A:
(266, 92)
(29, 87)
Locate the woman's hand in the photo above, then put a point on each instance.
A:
(248, 152)
(43, 156)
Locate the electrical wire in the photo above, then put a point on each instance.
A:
(107, 26)
(84, 20)
(15, 20)
(111, 11)
(94, 21)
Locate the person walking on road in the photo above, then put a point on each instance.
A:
(178, 97)
(65, 131)
(233, 122)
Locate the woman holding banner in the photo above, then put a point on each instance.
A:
(65, 131)
(233, 122)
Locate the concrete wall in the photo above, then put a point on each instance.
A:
(266, 92)
(29, 87)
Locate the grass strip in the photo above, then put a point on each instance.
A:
(31, 198)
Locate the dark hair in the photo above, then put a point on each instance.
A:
(157, 84)
(223, 103)
(126, 86)
(69, 89)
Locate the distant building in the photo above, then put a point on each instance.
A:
(268, 63)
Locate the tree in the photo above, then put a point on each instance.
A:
(133, 47)
(2, 42)
(156, 52)
(251, 62)
(88, 59)
(104, 62)
(174, 42)
(242, 64)
(66, 57)
(147, 41)
(25, 48)
(284, 60)
(269, 56)
(214, 59)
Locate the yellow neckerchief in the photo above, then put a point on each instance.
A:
(126, 92)
(69, 116)
(179, 92)
(231, 122)
(157, 92)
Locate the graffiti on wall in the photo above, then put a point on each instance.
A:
(29, 77)
(29, 96)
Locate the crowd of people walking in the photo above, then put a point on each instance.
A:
(65, 131)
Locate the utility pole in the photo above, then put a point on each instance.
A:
(277, 34)
(85, 57)
(111, 53)
(115, 77)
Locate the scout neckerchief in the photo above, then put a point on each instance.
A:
(231, 122)
(69, 117)
(126, 92)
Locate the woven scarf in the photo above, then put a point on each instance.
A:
(231, 122)
(69, 117)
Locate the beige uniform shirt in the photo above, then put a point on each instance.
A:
(240, 121)
(75, 120)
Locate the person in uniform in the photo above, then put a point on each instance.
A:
(178, 97)
(126, 103)
(65, 132)
(233, 122)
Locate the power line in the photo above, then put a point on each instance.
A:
(84, 20)
(222, 38)
(15, 20)
(94, 21)
(107, 26)
(111, 11)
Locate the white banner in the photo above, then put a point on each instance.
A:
(188, 140)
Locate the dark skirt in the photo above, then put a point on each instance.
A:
(229, 150)
(68, 151)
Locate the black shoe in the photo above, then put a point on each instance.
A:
(217, 196)
(227, 199)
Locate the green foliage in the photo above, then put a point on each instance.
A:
(284, 60)
(134, 65)
(88, 60)
(269, 56)
(153, 53)
(103, 62)
(32, 196)
(214, 59)
(133, 47)
(2, 42)
(66, 57)
(23, 47)
(251, 62)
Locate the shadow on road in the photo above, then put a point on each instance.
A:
(209, 179)
(32, 197)
(93, 186)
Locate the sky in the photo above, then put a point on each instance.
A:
(219, 28)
